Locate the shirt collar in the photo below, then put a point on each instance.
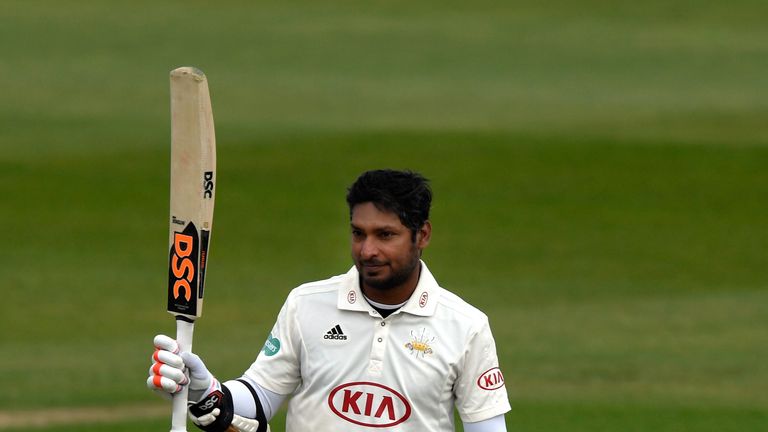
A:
(423, 301)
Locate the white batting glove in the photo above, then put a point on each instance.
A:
(245, 424)
(167, 373)
(240, 424)
(204, 420)
(201, 382)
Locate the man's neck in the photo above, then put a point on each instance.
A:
(384, 310)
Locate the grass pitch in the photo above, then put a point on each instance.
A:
(599, 177)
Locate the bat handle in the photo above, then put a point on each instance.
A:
(184, 331)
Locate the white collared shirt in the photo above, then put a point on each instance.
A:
(348, 369)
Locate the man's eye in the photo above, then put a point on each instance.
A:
(387, 234)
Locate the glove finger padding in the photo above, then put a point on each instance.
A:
(242, 424)
(167, 371)
(157, 382)
(169, 358)
(205, 419)
(166, 343)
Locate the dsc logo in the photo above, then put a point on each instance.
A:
(208, 184)
(181, 265)
(369, 404)
(183, 272)
(492, 379)
(211, 402)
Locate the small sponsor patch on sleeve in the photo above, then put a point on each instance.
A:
(491, 379)
(271, 346)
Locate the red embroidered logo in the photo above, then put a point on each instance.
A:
(369, 404)
(492, 379)
(423, 299)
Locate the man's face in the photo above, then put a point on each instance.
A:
(384, 251)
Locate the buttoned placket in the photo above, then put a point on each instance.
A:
(378, 346)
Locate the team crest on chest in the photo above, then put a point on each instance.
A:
(420, 344)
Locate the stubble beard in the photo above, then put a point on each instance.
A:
(396, 278)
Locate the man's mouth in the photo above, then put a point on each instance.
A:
(373, 265)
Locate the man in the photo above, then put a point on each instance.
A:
(382, 347)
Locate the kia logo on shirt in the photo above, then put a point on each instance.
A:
(369, 404)
(492, 379)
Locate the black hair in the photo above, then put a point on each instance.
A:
(405, 193)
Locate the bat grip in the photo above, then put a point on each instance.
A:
(184, 331)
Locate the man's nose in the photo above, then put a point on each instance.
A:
(369, 249)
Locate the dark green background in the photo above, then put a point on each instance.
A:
(598, 169)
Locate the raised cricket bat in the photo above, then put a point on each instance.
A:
(193, 179)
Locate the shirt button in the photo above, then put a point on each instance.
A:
(383, 323)
(380, 339)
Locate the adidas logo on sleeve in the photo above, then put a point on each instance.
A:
(335, 334)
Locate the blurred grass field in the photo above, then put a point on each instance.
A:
(599, 177)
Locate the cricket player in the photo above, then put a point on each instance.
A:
(381, 347)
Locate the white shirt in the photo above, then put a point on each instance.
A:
(349, 369)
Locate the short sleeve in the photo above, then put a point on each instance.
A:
(277, 367)
(479, 389)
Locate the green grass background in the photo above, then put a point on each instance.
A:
(599, 171)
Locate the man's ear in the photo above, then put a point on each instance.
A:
(424, 235)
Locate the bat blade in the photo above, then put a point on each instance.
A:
(193, 179)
